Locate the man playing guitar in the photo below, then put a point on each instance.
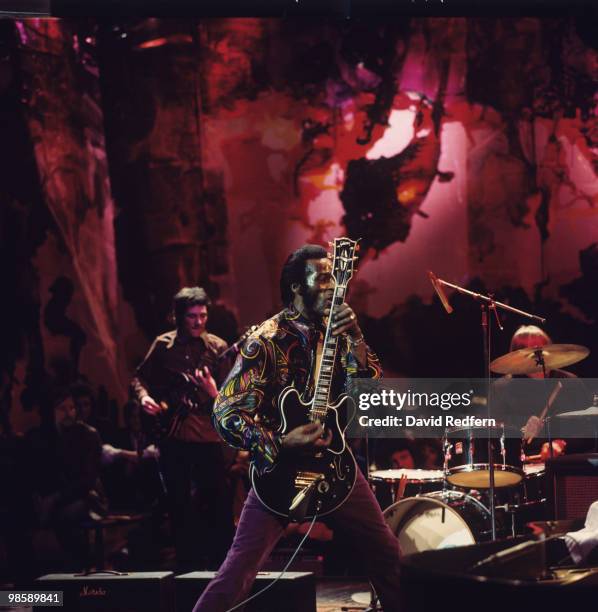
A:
(284, 351)
(177, 383)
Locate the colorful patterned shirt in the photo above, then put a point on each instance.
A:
(281, 352)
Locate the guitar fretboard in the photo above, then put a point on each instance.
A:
(324, 377)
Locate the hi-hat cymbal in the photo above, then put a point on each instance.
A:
(528, 360)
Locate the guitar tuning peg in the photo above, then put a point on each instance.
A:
(329, 243)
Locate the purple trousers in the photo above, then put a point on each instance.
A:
(359, 520)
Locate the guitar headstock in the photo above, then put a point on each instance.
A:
(343, 259)
(246, 334)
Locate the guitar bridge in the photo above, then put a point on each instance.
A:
(305, 479)
(306, 482)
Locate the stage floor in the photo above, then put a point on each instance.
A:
(333, 594)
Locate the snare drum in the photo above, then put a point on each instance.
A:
(442, 519)
(466, 457)
(386, 483)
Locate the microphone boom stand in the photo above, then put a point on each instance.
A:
(487, 303)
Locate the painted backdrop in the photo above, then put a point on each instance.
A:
(142, 155)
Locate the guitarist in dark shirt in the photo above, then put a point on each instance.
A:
(284, 351)
(177, 384)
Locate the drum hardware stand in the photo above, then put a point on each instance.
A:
(547, 418)
(540, 361)
(373, 606)
(487, 303)
(509, 509)
(487, 335)
(595, 428)
(551, 454)
(446, 448)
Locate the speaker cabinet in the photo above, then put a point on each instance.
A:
(572, 485)
(294, 592)
(131, 592)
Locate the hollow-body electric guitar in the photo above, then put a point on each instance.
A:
(302, 485)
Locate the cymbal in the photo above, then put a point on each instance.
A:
(525, 360)
(592, 411)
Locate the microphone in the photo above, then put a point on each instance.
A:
(439, 291)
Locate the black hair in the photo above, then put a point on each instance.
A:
(185, 299)
(293, 270)
(58, 395)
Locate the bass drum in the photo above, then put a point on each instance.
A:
(442, 519)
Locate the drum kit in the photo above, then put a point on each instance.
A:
(456, 506)
(433, 509)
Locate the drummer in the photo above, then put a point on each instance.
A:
(517, 407)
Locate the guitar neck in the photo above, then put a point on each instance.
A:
(235, 347)
(323, 382)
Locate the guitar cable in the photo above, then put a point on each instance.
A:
(286, 567)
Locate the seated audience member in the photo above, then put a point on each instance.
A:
(429, 454)
(403, 456)
(17, 512)
(393, 454)
(85, 404)
(131, 470)
(63, 456)
(87, 411)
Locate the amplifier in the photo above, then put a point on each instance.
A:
(131, 592)
(294, 592)
(572, 485)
